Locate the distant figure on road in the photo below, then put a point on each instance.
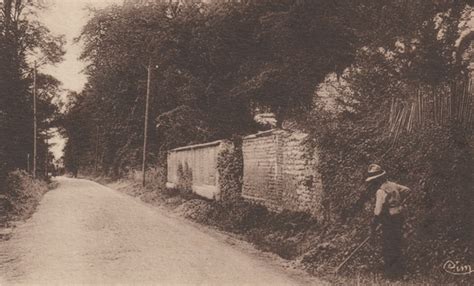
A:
(74, 171)
(388, 213)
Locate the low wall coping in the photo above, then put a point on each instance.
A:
(262, 134)
(197, 146)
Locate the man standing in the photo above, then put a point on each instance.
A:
(388, 213)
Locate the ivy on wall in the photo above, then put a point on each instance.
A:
(185, 177)
(230, 166)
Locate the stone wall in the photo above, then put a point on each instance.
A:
(201, 160)
(280, 173)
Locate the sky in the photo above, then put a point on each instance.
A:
(67, 17)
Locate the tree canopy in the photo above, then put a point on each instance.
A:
(23, 39)
(222, 61)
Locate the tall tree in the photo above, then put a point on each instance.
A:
(22, 38)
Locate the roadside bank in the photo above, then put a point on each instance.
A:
(20, 200)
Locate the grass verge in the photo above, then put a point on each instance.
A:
(20, 199)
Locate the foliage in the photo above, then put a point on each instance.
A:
(212, 65)
(21, 39)
(238, 215)
(181, 126)
(414, 54)
(78, 129)
(230, 166)
(185, 177)
(156, 178)
(281, 233)
(23, 193)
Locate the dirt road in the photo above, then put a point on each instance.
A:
(87, 233)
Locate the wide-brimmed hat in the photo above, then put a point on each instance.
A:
(375, 171)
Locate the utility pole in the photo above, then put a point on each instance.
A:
(34, 121)
(96, 148)
(145, 132)
(46, 159)
(28, 163)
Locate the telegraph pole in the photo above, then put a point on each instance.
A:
(34, 121)
(145, 132)
(96, 149)
(46, 158)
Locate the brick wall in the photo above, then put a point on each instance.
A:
(260, 180)
(202, 161)
(280, 173)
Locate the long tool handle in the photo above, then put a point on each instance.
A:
(354, 252)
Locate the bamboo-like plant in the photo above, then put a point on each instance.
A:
(438, 105)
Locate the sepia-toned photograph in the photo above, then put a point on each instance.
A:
(237, 142)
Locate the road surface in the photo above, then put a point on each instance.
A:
(86, 233)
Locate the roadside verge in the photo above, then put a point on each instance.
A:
(20, 200)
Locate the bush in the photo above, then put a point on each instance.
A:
(237, 215)
(23, 193)
(230, 165)
(156, 178)
(281, 233)
(185, 178)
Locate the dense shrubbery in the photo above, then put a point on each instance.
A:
(230, 164)
(238, 215)
(23, 194)
(156, 178)
(185, 177)
(427, 151)
(435, 163)
(282, 233)
(433, 158)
